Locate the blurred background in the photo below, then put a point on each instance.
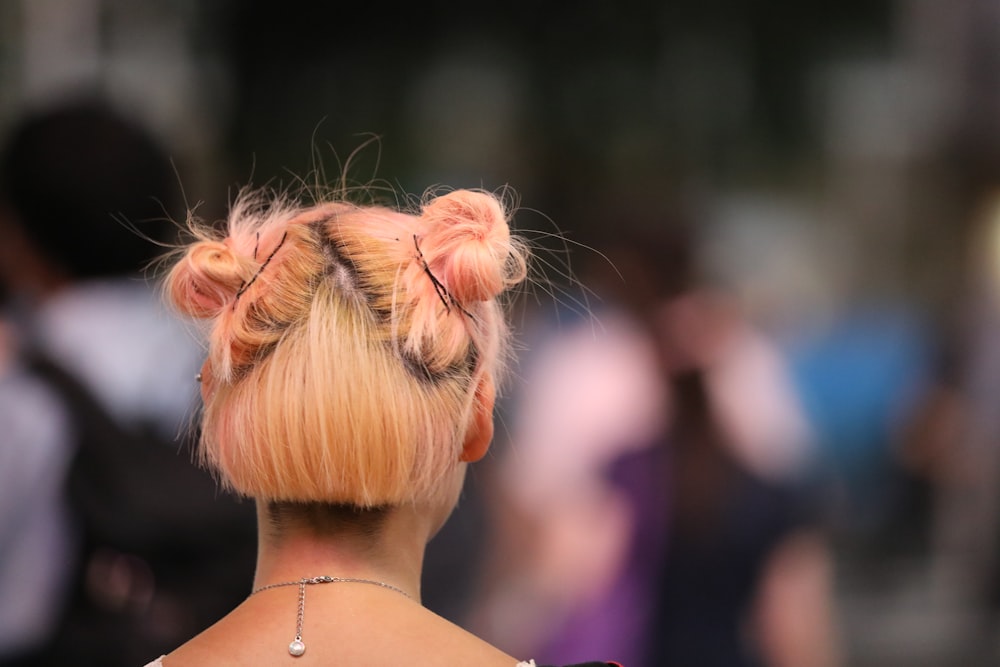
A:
(764, 342)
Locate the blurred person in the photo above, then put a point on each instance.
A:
(861, 377)
(949, 443)
(354, 355)
(963, 462)
(747, 571)
(95, 374)
(556, 529)
(688, 534)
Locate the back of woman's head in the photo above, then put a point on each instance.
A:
(346, 343)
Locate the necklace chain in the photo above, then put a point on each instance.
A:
(331, 580)
(297, 647)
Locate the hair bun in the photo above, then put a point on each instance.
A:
(467, 244)
(206, 279)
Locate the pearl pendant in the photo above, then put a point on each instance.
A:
(297, 648)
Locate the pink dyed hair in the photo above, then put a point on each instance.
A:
(346, 342)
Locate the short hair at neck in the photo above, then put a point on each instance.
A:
(325, 518)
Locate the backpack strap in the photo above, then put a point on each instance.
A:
(145, 506)
(133, 489)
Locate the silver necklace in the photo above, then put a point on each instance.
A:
(298, 647)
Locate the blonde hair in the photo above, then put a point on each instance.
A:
(346, 342)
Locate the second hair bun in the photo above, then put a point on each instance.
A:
(467, 244)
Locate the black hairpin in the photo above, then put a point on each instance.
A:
(245, 286)
(446, 298)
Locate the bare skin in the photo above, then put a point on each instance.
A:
(345, 623)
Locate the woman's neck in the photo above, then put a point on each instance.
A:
(390, 552)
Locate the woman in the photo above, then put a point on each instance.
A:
(354, 355)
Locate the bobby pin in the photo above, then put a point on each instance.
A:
(446, 298)
(267, 261)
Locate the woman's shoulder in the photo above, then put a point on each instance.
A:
(156, 663)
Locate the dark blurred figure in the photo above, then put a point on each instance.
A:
(746, 574)
(950, 447)
(101, 562)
